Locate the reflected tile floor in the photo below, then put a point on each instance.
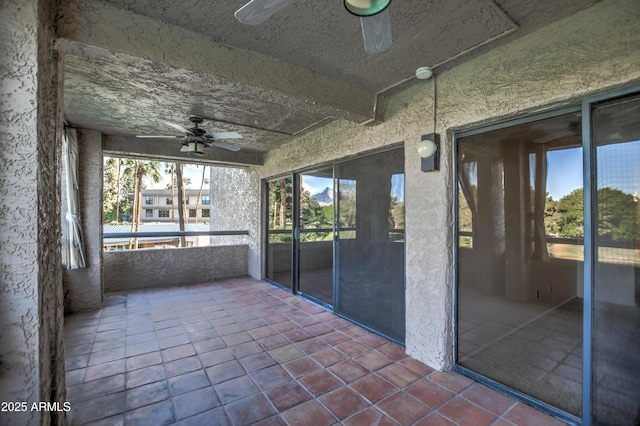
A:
(243, 352)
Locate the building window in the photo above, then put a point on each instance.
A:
(148, 213)
(163, 213)
(206, 213)
(148, 200)
(169, 200)
(205, 200)
(192, 212)
(187, 200)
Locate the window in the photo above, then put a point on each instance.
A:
(127, 206)
(206, 213)
(205, 200)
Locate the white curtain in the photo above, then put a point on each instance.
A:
(73, 244)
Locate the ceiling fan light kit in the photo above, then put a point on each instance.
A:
(196, 139)
(366, 7)
(373, 14)
(195, 148)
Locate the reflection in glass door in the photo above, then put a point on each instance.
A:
(616, 284)
(280, 231)
(370, 244)
(520, 257)
(315, 235)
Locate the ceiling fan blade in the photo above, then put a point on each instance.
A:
(229, 146)
(158, 136)
(376, 32)
(257, 11)
(223, 135)
(178, 127)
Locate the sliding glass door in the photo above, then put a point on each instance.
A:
(548, 259)
(279, 259)
(370, 244)
(616, 281)
(316, 235)
(336, 235)
(520, 258)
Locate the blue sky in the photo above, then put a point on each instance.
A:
(618, 167)
(564, 172)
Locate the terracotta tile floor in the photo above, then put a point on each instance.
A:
(243, 352)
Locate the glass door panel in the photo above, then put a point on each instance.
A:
(520, 258)
(316, 235)
(280, 231)
(616, 292)
(370, 243)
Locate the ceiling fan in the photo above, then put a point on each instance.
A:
(196, 139)
(374, 18)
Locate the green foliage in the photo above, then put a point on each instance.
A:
(313, 216)
(571, 217)
(617, 215)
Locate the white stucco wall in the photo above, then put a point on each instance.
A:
(235, 206)
(593, 51)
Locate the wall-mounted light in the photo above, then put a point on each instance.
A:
(366, 7)
(429, 151)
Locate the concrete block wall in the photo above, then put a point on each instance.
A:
(150, 268)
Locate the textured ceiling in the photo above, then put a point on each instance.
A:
(131, 64)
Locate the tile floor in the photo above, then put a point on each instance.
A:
(243, 352)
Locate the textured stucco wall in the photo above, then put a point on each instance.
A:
(595, 50)
(31, 348)
(129, 269)
(19, 314)
(83, 287)
(235, 205)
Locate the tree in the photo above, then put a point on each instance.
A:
(170, 168)
(181, 204)
(312, 215)
(571, 213)
(617, 215)
(142, 169)
(117, 189)
(202, 182)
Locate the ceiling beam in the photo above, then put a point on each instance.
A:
(169, 150)
(117, 30)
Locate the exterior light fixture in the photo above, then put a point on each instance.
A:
(429, 146)
(195, 148)
(366, 7)
(429, 151)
